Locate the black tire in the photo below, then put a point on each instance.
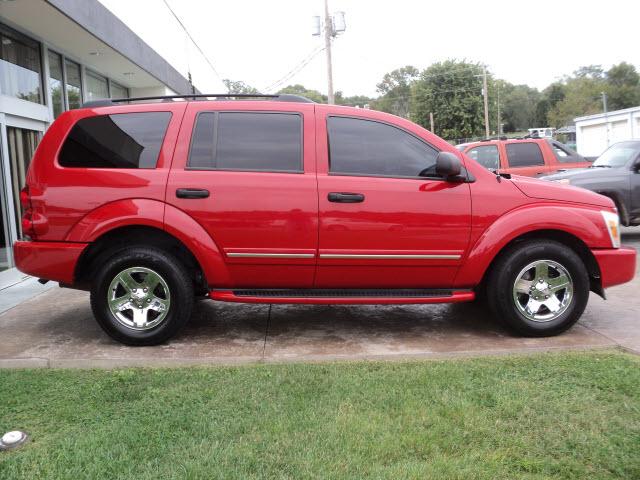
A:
(174, 274)
(502, 277)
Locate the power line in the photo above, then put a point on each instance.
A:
(192, 40)
(295, 70)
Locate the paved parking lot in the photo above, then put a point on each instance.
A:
(56, 329)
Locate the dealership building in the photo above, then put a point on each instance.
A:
(55, 55)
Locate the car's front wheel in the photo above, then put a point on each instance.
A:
(142, 296)
(539, 288)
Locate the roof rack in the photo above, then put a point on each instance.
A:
(284, 97)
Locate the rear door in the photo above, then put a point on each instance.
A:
(525, 158)
(248, 177)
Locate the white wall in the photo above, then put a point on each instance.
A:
(596, 132)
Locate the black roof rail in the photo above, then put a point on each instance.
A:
(283, 97)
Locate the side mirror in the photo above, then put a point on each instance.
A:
(448, 165)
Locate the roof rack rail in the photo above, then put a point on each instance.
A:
(284, 97)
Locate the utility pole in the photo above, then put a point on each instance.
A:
(499, 119)
(328, 33)
(431, 120)
(486, 102)
(606, 116)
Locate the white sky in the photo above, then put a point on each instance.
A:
(259, 42)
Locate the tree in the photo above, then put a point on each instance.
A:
(551, 95)
(239, 87)
(583, 96)
(298, 89)
(452, 90)
(395, 88)
(624, 86)
(518, 104)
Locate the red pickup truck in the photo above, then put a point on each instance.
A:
(281, 200)
(530, 157)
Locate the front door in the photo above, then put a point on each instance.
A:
(386, 219)
(248, 177)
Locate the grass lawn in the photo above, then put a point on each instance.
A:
(571, 415)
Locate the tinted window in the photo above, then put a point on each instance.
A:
(524, 154)
(486, 155)
(364, 147)
(247, 141)
(127, 140)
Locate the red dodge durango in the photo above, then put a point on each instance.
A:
(150, 203)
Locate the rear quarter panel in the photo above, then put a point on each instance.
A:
(64, 197)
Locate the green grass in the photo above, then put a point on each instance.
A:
(573, 415)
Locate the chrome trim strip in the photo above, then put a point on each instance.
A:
(270, 255)
(390, 257)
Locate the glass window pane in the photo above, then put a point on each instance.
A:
(55, 83)
(97, 87)
(118, 91)
(486, 155)
(269, 142)
(126, 140)
(22, 146)
(371, 148)
(203, 144)
(20, 67)
(524, 154)
(5, 241)
(74, 86)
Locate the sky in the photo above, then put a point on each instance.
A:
(260, 42)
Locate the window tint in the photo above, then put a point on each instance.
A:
(247, 141)
(364, 147)
(486, 155)
(127, 140)
(524, 154)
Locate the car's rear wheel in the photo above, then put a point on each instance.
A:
(142, 296)
(538, 288)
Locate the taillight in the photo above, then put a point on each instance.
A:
(27, 213)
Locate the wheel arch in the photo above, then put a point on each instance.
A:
(124, 237)
(560, 236)
(620, 205)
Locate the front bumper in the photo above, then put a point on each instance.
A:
(616, 265)
(49, 260)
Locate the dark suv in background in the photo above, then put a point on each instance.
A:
(615, 174)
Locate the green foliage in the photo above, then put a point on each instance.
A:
(395, 88)
(298, 89)
(239, 87)
(624, 86)
(452, 91)
(571, 415)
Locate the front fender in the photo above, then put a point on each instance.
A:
(152, 213)
(583, 223)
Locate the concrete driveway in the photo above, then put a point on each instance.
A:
(56, 329)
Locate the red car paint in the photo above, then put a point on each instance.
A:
(409, 233)
(551, 162)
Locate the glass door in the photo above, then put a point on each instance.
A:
(22, 145)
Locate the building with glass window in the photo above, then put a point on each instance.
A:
(55, 55)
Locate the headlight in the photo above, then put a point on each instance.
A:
(564, 181)
(612, 221)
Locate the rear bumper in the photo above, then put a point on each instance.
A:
(616, 265)
(50, 260)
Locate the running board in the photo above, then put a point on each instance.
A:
(360, 296)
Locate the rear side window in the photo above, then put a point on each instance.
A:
(524, 154)
(125, 140)
(369, 148)
(486, 155)
(249, 141)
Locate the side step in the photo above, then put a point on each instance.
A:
(359, 296)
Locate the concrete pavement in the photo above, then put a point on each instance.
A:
(56, 329)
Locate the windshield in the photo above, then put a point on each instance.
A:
(618, 155)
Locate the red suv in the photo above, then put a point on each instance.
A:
(282, 200)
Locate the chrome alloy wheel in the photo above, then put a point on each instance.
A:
(139, 298)
(543, 290)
